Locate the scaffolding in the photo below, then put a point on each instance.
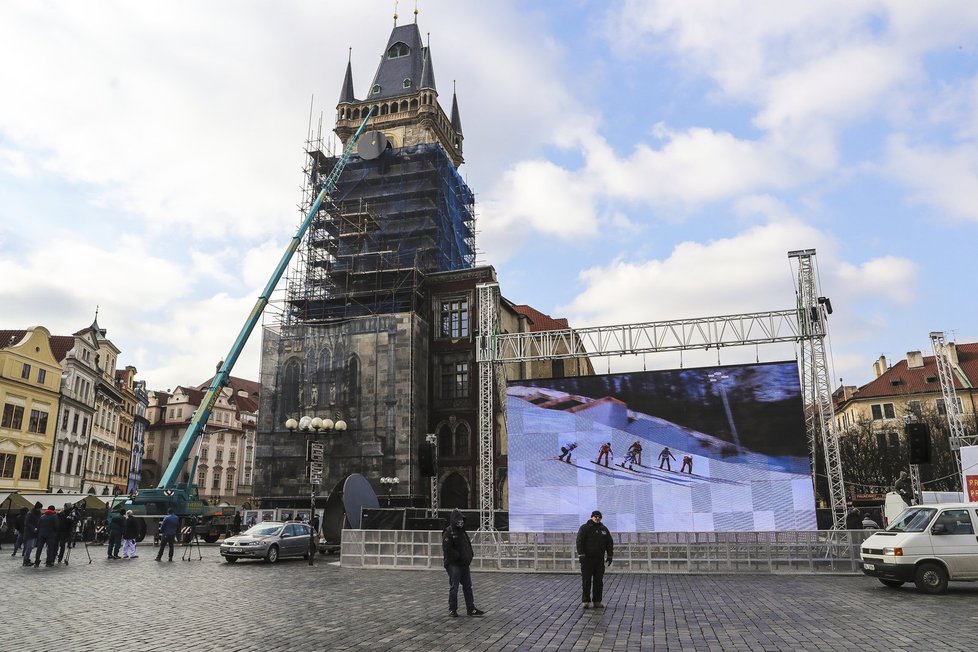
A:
(392, 219)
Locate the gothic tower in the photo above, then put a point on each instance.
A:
(352, 342)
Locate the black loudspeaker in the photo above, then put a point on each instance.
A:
(918, 441)
(426, 459)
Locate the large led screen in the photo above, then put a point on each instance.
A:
(684, 450)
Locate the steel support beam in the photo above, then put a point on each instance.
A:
(488, 320)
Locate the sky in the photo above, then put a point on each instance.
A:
(633, 161)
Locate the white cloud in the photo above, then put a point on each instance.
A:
(944, 178)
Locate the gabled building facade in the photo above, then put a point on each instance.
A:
(30, 378)
(79, 378)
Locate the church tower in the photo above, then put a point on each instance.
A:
(352, 342)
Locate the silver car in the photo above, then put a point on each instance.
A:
(269, 540)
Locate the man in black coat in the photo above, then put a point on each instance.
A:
(47, 535)
(66, 528)
(457, 550)
(31, 519)
(19, 527)
(117, 523)
(595, 548)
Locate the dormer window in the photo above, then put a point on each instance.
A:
(407, 82)
(398, 50)
(375, 89)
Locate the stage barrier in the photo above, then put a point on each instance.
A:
(789, 552)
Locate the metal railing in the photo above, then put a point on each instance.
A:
(787, 552)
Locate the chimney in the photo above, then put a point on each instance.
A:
(879, 367)
(952, 353)
(914, 360)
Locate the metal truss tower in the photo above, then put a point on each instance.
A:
(488, 297)
(813, 311)
(805, 324)
(957, 435)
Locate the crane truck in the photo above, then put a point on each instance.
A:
(182, 497)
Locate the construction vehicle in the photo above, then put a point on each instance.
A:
(182, 497)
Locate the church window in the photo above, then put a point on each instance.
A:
(398, 50)
(407, 82)
(375, 89)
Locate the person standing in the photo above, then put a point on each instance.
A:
(664, 457)
(605, 452)
(168, 532)
(130, 530)
(236, 523)
(19, 528)
(903, 487)
(31, 520)
(854, 520)
(47, 535)
(595, 548)
(66, 527)
(687, 464)
(457, 551)
(117, 522)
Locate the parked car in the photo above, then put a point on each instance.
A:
(928, 545)
(269, 540)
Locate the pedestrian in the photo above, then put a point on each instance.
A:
(168, 532)
(47, 535)
(636, 451)
(314, 522)
(664, 458)
(595, 548)
(869, 523)
(854, 520)
(19, 528)
(902, 486)
(605, 452)
(457, 550)
(687, 463)
(565, 451)
(66, 527)
(117, 523)
(130, 530)
(236, 523)
(31, 520)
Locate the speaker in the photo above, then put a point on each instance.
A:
(918, 442)
(426, 459)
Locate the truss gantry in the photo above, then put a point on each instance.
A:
(957, 437)
(806, 325)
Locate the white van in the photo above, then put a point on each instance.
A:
(928, 545)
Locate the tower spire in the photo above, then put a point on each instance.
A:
(346, 93)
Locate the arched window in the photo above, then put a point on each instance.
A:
(398, 50)
(351, 386)
(445, 443)
(462, 438)
(356, 114)
(393, 107)
(454, 492)
(383, 109)
(292, 376)
(404, 105)
(414, 103)
(323, 377)
(375, 90)
(406, 83)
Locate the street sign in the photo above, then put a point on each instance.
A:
(315, 451)
(315, 472)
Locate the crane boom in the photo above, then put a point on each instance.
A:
(181, 497)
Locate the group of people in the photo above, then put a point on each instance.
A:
(44, 530)
(632, 457)
(595, 550)
(856, 520)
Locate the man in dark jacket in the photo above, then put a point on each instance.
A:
(457, 550)
(168, 532)
(66, 528)
(47, 535)
(31, 519)
(595, 548)
(117, 523)
(19, 527)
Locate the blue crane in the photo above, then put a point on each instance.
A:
(181, 497)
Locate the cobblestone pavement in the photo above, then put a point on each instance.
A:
(211, 605)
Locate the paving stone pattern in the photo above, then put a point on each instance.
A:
(211, 605)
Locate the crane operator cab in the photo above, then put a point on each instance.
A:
(928, 545)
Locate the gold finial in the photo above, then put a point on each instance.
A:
(395, 13)
(415, 12)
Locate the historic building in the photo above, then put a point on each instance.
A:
(139, 425)
(377, 335)
(225, 453)
(30, 378)
(102, 470)
(77, 355)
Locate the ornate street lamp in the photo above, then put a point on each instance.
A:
(391, 483)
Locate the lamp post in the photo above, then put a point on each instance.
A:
(314, 458)
(432, 440)
(391, 483)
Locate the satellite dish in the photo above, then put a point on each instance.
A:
(371, 145)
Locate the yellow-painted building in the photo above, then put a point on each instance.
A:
(30, 381)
